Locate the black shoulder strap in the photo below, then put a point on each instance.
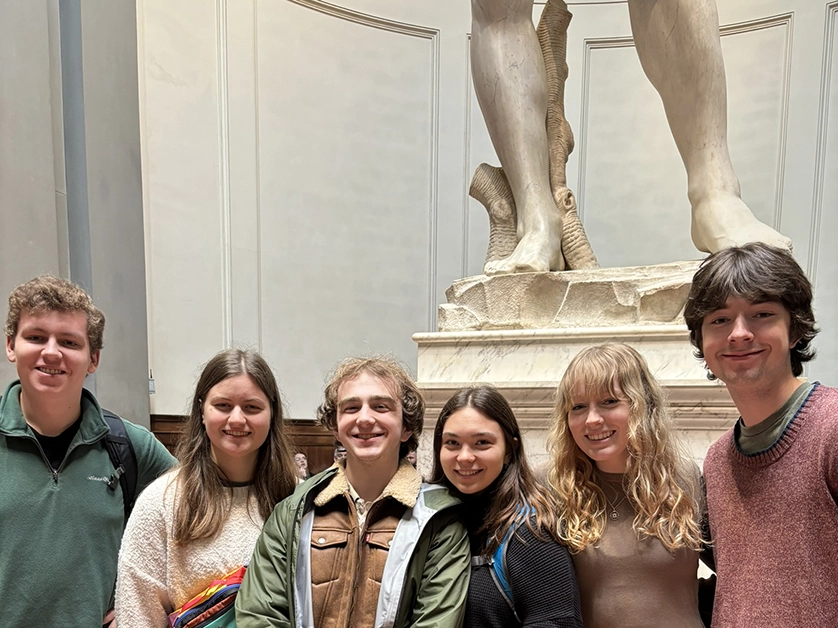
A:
(124, 460)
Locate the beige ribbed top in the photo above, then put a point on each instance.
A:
(630, 583)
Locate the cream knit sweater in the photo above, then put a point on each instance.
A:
(157, 576)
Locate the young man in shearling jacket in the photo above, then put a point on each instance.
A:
(364, 543)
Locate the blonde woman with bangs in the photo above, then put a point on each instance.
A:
(631, 502)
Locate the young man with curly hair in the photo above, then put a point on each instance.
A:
(772, 480)
(61, 516)
(363, 543)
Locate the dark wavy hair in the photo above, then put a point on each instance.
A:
(204, 494)
(758, 273)
(517, 496)
(389, 370)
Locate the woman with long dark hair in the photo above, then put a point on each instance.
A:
(630, 498)
(522, 574)
(201, 520)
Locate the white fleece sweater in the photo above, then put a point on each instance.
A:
(157, 576)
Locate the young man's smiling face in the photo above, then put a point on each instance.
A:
(369, 421)
(51, 352)
(747, 344)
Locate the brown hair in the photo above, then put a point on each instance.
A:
(517, 497)
(661, 480)
(389, 370)
(46, 293)
(204, 496)
(758, 273)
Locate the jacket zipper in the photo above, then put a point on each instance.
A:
(361, 534)
(54, 472)
(60, 468)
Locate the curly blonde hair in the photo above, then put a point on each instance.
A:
(661, 480)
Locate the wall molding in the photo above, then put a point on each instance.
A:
(467, 158)
(737, 28)
(366, 19)
(432, 35)
(258, 176)
(224, 166)
(590, 45)
(433, 262)
(783, 20)
(822, 142)
(145, 161)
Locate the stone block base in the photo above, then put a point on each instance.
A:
(603, 297)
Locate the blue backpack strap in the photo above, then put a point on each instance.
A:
(498, 560)
(124, 460)
(498, 563)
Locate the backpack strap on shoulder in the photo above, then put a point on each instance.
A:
(499, 570)
(498, 561)
(124, 460)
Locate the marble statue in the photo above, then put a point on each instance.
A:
(519, 75)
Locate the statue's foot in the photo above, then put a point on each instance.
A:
(537, 251)
(724, 221)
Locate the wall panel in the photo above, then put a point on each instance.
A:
(187, 243)
(347, 178)
(825, 225)
(29, 191)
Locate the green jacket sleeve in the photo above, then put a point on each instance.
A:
(443, 588)
(153, 459)
(265, 597)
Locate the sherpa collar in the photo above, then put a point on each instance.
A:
(403, 486)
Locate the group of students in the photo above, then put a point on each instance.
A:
(612, 536)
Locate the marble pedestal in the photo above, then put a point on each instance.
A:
(526, 366)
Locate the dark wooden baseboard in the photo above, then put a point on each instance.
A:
(307, 436)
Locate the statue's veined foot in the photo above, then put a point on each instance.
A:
(724, 221)
(537, 251)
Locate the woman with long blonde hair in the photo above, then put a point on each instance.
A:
(630, 497)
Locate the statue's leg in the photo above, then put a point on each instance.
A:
(680, 51)
(510, 83)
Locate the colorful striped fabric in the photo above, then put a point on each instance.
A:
(212, 607)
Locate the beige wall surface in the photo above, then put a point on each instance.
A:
(70, 178)
(31, 196)
(306, 166)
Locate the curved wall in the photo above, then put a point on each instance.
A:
(306, 165)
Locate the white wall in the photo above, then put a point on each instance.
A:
(70, 179)
(30, 191)
(306, 166)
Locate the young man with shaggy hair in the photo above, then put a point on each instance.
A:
(61, 518)
(772, 480)
(363, 543)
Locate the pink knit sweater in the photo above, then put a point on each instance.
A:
(774, 521)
